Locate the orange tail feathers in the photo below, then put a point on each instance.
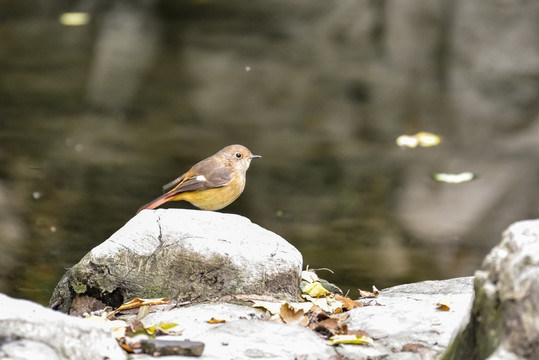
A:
(155, 203)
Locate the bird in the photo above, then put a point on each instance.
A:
(212, 183)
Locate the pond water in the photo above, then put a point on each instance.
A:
(101, 103)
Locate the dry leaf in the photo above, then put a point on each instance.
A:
(216, 321)
(309, 276)
(348, 304)
(444, 304)
(292, 316)
(136, 302)
(369, 294)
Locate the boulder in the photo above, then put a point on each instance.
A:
(504, 321)
(31, 331)
(181, 254)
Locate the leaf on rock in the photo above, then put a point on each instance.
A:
(143, 311)
(137, 302)
(309, 276)
(369, 294)
(444, 304)
(348, 304)
(216, 321)
(161, 328)
(328, 304)
(292, 316)
(272, 307)
(315, 289)
(351, 339)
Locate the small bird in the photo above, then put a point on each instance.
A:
(211, 184)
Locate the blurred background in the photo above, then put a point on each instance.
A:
(399, 138)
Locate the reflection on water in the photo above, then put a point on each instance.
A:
(95, 118)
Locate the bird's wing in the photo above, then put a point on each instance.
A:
(173, 183)
(193, 180)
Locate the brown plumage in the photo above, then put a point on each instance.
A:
(212, 183)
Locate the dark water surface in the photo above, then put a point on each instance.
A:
(94, 118)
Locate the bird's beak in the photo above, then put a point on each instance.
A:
(255, 156)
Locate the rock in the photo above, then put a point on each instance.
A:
(406, 325)
(31, 331)
(183, 254)
(409, 320)
(504, 321)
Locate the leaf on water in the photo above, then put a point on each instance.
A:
(292, 316)
(351, 339)
(369, 294)
(216, 321)
(444, 304)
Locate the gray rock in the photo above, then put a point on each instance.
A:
(403, 320)
(183, 254)
(31, 331)
(504, 322)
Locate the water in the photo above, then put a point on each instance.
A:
(95, 118)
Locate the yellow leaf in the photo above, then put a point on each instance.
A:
(315, 289)
(351, 339)
(216, 321)
(444, 303)
(162, 326)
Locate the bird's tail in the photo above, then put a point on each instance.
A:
(156, 202)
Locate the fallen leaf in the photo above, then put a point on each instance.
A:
(348, 304)
(137, 302)
(161, 328)
(309, 276)
(351, 339)
(315, 289)
(444, 303)
(272, 307)
(292, 316)
(369, 294)
(216, 321)
(328, 304)
(143, 311)
(275, 307)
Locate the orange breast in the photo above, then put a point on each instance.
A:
(216, 198)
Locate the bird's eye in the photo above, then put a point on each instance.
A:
(238, 155)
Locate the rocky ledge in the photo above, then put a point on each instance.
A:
(224, 275)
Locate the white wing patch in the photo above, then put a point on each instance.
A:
(201, 178)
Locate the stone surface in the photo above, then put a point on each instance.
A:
(403, 320)
(505, 317)
(31, 331)
(183, 254)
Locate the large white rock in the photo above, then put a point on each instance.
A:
(184, 254)
(31, 331)
(504, 321)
